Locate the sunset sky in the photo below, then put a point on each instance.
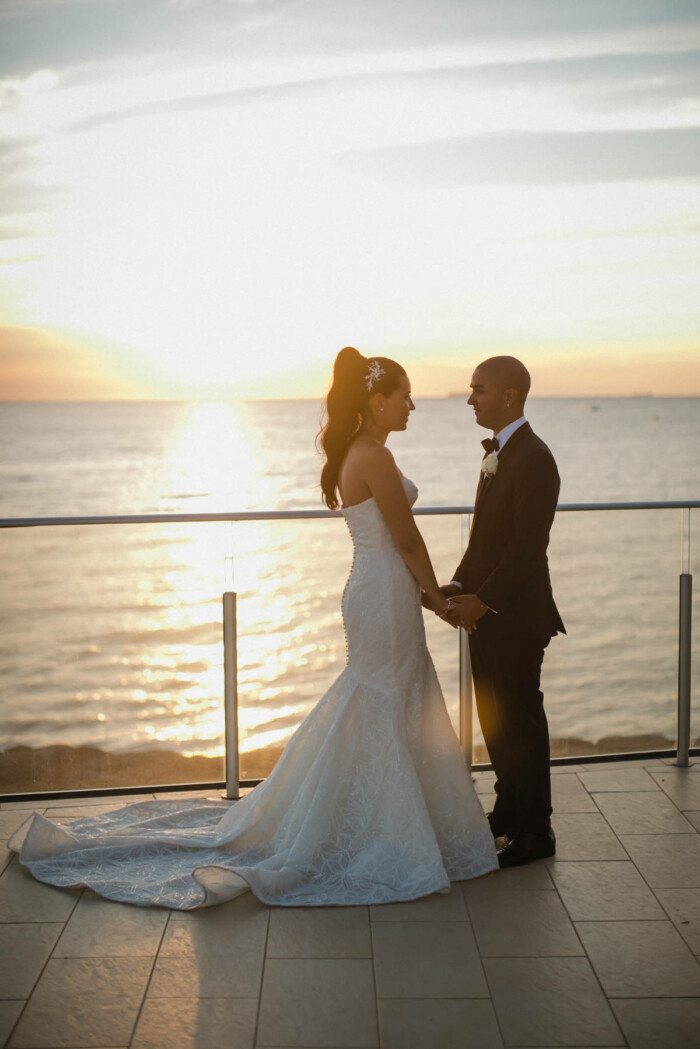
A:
(209, 198)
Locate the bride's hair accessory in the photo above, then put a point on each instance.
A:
(372, 376)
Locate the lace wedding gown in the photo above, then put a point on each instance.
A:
(371, 801)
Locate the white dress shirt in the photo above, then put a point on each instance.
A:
(508, 431)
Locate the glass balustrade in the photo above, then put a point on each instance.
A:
(111, 663)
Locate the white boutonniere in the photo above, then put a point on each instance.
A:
(490, 464)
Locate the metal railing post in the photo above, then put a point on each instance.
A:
(231, 695)
(466, 728)
(466, 733)
(685, 622)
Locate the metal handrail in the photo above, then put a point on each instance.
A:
(301, 515)
(229, 600)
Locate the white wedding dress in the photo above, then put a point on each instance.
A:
(371, 801)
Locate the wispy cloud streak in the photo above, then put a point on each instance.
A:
(539, 159)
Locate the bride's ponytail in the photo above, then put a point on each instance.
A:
(345, 404)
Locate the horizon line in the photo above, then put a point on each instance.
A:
(452, 395)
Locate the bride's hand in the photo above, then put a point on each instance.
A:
(443, 611)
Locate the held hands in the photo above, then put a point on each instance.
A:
(465, 610)
(447, 612)
(455, 608)
(438, 604)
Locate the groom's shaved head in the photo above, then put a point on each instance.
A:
(507, 373)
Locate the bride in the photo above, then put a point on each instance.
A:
(371, 801)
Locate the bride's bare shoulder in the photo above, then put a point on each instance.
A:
(364, 465)
(367, 457)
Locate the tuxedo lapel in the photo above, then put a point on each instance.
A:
(482, 488)
(521, 434)
(479, 489)
(486, 482)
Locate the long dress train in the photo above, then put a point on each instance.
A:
(371, 801)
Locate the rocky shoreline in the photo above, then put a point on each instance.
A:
(27, 769)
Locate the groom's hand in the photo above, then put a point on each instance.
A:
(466, 611)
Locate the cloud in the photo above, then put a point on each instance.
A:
(538, 158)
(33, 35)
(65, 33)
(21, 190)
(12, 233)
(608, 80)
(603, 84)
(193, 103)
(256, 151)
(41, 365)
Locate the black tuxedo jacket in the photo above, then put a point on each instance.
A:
(505, 563)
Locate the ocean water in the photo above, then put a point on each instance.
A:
(111, 635)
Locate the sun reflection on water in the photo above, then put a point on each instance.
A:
(216, 457)
(216, 461)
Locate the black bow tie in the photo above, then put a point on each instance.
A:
(490, 444)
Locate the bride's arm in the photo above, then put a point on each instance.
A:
(386, 486)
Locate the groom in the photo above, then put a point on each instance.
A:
(503, 597)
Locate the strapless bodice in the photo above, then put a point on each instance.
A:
(411, 492)
(365, 521)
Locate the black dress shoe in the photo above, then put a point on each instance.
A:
(525, 848)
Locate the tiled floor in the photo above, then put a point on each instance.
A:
(596, 947)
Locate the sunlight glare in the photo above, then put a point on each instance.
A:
(216, 457)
